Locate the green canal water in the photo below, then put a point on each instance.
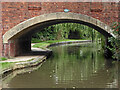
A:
(71, 66)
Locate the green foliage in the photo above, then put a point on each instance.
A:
(63, 31)
(47, 33)
(115, 42)
(35, 40)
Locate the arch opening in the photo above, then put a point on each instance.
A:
(19, 37)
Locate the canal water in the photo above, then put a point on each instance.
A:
(71, 66)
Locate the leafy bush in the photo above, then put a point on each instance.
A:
(115, 42)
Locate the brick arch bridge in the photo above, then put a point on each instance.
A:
(22, 20)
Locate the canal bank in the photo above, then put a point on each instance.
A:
(30, 60)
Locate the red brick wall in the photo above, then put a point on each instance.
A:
(6, 50)
(9, 49)
(1, 45)
(17, 12)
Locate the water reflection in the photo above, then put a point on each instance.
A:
(73, 66)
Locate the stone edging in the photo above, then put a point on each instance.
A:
(68, 42)
(21, 65)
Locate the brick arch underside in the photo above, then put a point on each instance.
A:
(18, 38)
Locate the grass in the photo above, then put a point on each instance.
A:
(3, 58)
(44, 44)
(6, 65)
